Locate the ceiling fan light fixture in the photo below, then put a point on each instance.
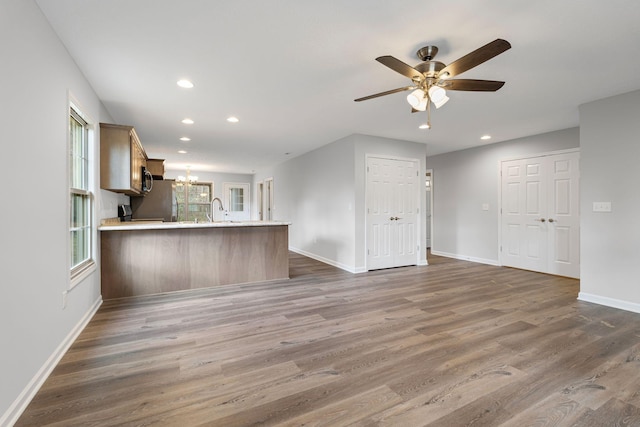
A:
(417, 99)
(438, 96)
(441, 102)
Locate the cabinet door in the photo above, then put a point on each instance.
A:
(138, 160)
(121, 159)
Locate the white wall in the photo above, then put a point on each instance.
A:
(37, 76)
(322, 193)
(610, 242)
(465, 180)
(315, 192)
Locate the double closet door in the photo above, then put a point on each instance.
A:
(392, 212)
(540, 223)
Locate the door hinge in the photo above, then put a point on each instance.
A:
(367, 168)
(417, 174)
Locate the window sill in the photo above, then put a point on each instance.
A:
(82, 273)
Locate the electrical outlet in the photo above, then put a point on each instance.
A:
(602, 206)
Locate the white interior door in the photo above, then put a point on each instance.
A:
(392, 212)
(540, 214)
(237, 201)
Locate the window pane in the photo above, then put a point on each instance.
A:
(79, 160)
(79, 211)
(193, 201)
(236, 199)
(79, 246)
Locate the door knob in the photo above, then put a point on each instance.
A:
(394, 218)
(541, 220)
(551, 220)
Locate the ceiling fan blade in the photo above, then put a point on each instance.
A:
(472, 85)
(400, 67)
(475, 58)
(389, 92)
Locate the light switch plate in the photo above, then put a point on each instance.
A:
(602, 206)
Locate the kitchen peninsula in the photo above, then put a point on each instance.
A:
(141, 258)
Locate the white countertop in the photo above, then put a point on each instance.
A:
(157, 225)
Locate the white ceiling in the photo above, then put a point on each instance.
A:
(290, 70)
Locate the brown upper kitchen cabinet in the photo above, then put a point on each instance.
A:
(156, 167)
(121, 159)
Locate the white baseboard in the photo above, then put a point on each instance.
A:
(326, 261)
(356, 270)
(466, 258)
(609, 302)
(10, 417)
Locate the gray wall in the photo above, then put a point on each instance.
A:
(322, 193)
(37, 77)
(465, 180)
(609, 157)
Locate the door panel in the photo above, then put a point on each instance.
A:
(539, 215)
(392, 214)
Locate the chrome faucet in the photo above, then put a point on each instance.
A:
(221, 208)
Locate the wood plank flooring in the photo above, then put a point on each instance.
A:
(453, 343)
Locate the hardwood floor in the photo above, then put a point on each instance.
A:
(450, 344)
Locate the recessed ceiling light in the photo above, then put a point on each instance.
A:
(185, 139)
(424, 126)
(182, 152)
(233, 119)
(187, 121)
(185, 84)
(485, 137)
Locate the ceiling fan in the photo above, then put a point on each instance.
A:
(430, 79)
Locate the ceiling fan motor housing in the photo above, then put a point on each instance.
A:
(427, 53)
(430, 68)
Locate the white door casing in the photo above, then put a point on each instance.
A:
(392, 212)
(540, 214)
(268, 202)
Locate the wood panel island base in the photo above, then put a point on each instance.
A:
(143, 259)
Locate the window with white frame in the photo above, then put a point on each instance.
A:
(81, 199)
